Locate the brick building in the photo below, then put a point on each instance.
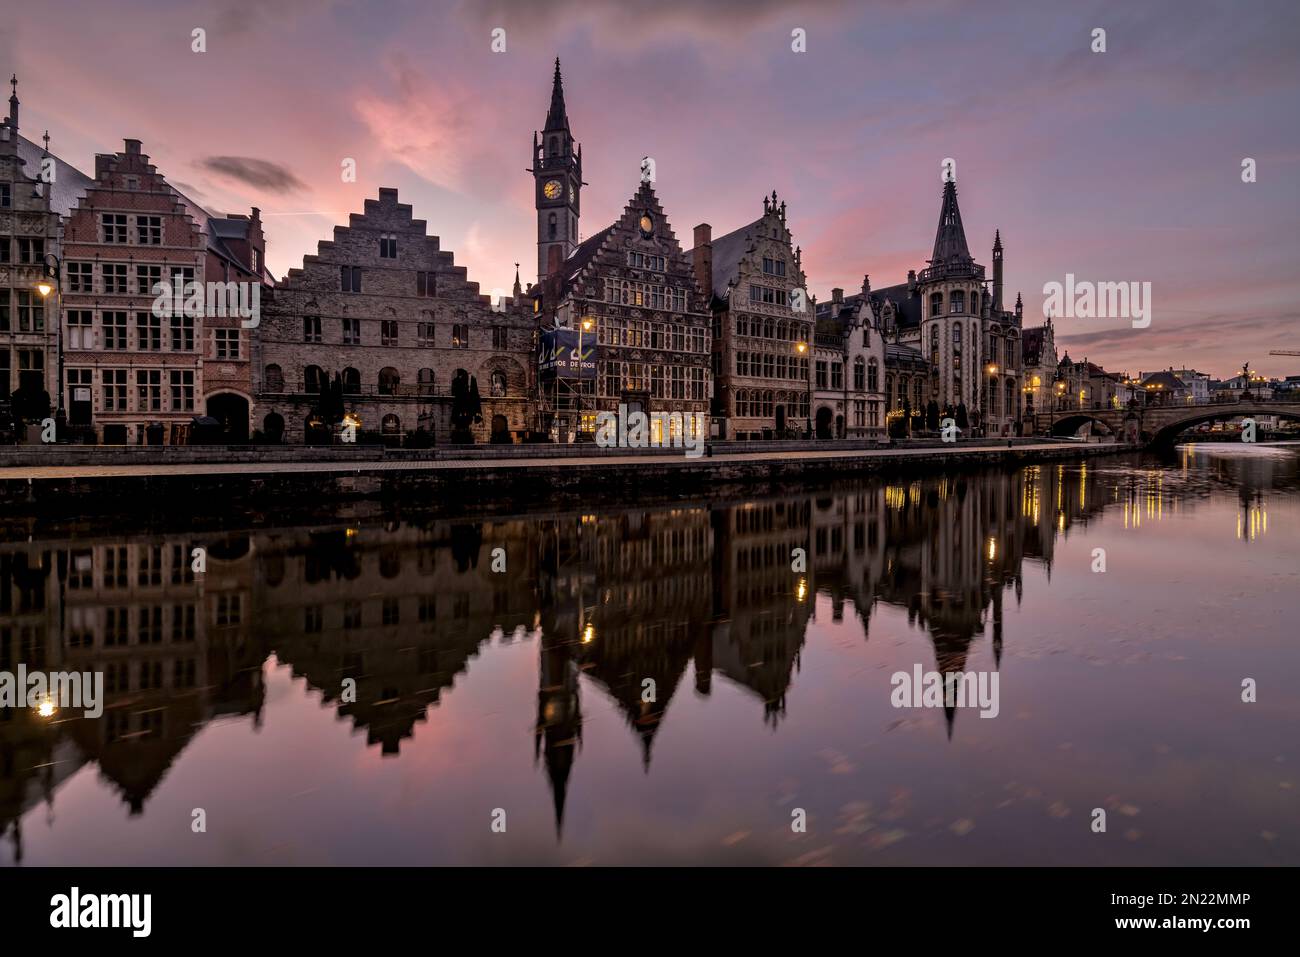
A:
(136, 374)
(761, 330)
(385, 311)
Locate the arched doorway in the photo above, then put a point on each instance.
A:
(500, 430)
(232, 412)
(780, 419)
(824, 418)
(273, 427)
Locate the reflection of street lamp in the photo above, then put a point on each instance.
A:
(46, 285)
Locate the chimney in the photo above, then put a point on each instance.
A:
(703, 258)
(837, 296)
(132, 147)
(911, 280)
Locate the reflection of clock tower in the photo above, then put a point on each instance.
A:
(557, 169)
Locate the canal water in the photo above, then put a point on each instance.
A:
(700, 683)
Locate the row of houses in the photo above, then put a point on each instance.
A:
(380, 329)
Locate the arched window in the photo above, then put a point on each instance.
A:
(859, 375)
(313, 379)
(388, 381)
(782, 330)
(273, 378)
(498, 383)
(936, 304)
(425, 380)
(351, 381)
(767, 403)
(873, 377)
(551, 225)
(391, 424)
(957, 301)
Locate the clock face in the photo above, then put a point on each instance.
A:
(553, 189)
(647, 224)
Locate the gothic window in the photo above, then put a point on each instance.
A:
(936, 304)
(1011, 399)
(388, 381)
(957, 301)
(351, 381)
(859, 375)
(555, 146)
(314, 379)
(873, 376)
(551, 226)
(274, 378)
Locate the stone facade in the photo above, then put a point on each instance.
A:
(29, 232)
(636, 288)
(388, 312)
(849, 369)
(762, 329)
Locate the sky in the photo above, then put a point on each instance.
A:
(1115, 166)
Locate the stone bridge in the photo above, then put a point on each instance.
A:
(1159, 424)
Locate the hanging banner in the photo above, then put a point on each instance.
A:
(559, 354)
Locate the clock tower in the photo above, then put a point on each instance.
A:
(557, 173)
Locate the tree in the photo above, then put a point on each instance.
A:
(466, 406)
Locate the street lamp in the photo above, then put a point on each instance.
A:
(801, 348)
(49, 283)
(584, 326)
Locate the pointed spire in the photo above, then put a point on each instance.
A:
(997, 239)
(518, 290)
(557, 118)
(13, 103)
(950, 239)
(46, 138)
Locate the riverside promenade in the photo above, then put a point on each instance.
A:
(124, 480)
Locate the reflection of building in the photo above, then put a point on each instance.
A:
(378, 325)
(399, 613)
(761, 334)
(137, 373)
(630, 604)
(175, 647)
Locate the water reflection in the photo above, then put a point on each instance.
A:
(623, 605)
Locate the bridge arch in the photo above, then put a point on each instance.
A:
(1070, 423)
(1170, 430)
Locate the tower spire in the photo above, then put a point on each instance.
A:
(950, 239)
(997, 271)
(557, 118)
(13, 103)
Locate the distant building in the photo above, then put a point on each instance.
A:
(1038, 349)
(761, 335)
